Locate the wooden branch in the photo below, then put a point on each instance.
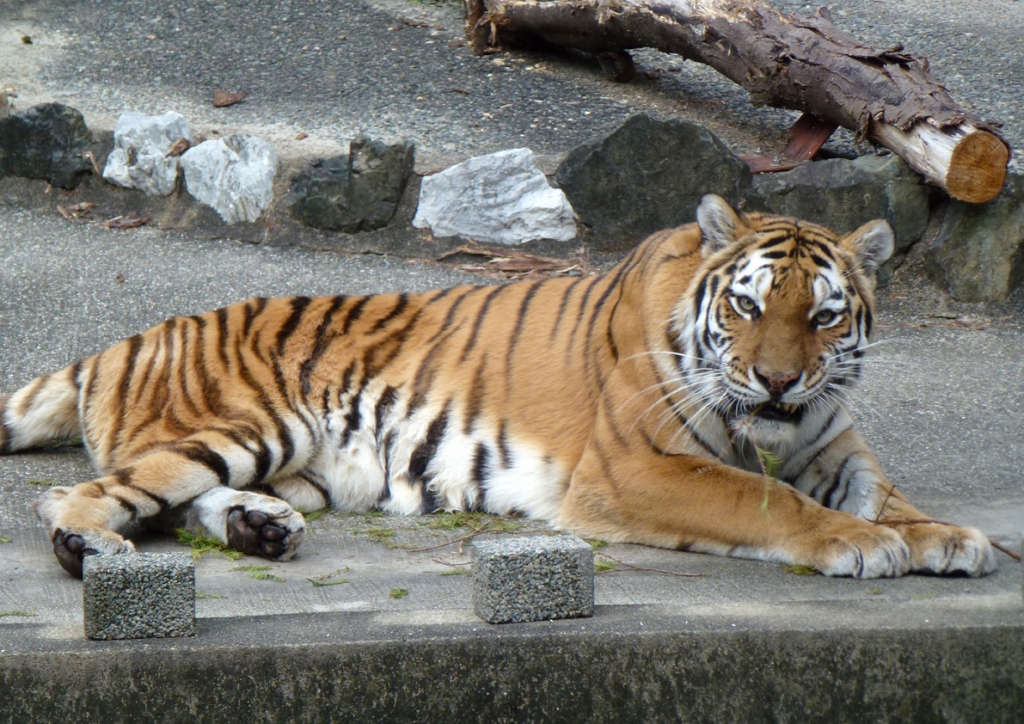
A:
(801, 61)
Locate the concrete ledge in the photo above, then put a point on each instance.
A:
(624, 664)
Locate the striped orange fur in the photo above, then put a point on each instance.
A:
(631, 406)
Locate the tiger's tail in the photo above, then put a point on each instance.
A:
(43, 410)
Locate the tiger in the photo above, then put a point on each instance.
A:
(638, 406)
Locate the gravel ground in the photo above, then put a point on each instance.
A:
(400, 69)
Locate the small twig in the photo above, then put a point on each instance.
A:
(655, 570)
(463, 539)
(1007, 551)
(451, 565)
(892, 489)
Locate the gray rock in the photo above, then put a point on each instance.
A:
(45, 142)
(979, 251)
(358, 192)
(843, 195)
(648, 175)
(532, 578)
(500, 198)
(234, 175)
(139, 595)
(139, 159)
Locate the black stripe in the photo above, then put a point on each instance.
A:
(523, 307)
(124, 477)
(564, 303)
(320, 343)
(836, 480)
(380, 411)
(263, 460)
(183, 366)
(481, 465)
(134, 344)
(682, 418)
(450, 317)
(127, 505)
(475, 399)
(503, 447)
(698, 297)
(822, 247)
(354, 312)
(400, 305)
(389, 441)
(425, 451)
(424, 376)
(285, 437)
(221, 315)
(318, 486)
(201, 453)
(774, 255)
(579, 315)
(353, 419)
(299, 305)
(210, 388)
(251, 313)
(481, 313)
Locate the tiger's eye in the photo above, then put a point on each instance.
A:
(746, 304)
(825, 316)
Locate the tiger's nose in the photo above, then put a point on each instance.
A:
(776, 382)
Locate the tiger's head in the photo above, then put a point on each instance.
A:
(773, 327)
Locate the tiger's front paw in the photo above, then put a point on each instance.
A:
(868, 551)
(71, 548)
(945, 549)
(265, 526)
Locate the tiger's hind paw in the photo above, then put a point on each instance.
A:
(266, 527)
(72, 549)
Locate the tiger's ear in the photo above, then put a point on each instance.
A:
(719, 224)
(870, 245)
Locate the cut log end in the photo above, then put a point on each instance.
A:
(977, 167)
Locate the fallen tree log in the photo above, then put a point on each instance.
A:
(800, 61)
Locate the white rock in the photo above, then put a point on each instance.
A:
(234, 175)
(139, 159)
(499, 198)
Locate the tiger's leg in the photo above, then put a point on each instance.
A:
(90, 517)
(629, 487)
(691, 503)
(846, 476)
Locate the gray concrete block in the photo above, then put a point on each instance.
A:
(532, 578)
(140, 595)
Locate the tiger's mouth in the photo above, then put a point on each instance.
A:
(778, 412)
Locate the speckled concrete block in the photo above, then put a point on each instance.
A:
(139, 595)
(532, 578)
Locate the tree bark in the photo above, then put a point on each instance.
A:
(802, 62)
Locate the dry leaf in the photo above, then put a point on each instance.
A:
(78, 211)
(302, 136)
(92, 158)
(512, 264)
(179, 147)
(222, 98)
(119, 223)
(974, 325)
